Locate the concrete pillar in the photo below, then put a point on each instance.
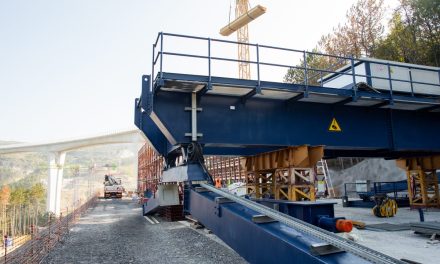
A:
(55, 181)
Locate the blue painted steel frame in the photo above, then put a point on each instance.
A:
(258, 125)
(257, 243)
(269, 123)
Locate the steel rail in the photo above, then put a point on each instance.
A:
(335, 240)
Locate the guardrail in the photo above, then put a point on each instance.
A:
(310, 73)
(374, 188)
(39, 243)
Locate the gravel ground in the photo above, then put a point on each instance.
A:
(114, 231)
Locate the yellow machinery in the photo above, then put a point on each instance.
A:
(385, 207)
(287, 174)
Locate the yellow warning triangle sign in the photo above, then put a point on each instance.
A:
(334, 126)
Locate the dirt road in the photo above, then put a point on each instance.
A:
(114, 231)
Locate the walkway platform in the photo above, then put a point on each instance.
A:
(380, 113)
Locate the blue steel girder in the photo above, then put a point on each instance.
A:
(233, 127)
(258, 243)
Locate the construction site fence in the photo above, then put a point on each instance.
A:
(32, 248)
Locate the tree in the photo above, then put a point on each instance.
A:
(18, 196)
(37, 192)
(414, 34)
(5, 194)
(399, 45)
(422, 19)
(360, 34)
(314, 61)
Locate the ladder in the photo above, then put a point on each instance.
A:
(322, 169)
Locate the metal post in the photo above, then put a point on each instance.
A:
(48, 243)
(67, 219)
(152, 66)
(194, 116)
(320, 76)
(59, 226)
(421, 215)
(161, 54)
(6, 246)
(411, 82)
(439, 78)
(258, 70)
(390, 81)
(209, 63)
(353, 73)
(306, 77)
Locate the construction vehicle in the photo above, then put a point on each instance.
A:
(112, 187)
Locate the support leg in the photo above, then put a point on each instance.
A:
(422, 180)
(55, 181)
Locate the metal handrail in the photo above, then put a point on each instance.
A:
(349, 70)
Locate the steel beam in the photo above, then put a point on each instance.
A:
(268, 242)
(271, 123)
(230, 127)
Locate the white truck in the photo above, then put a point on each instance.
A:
(112, 187)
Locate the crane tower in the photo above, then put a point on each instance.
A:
(244, 68)
(242, 18)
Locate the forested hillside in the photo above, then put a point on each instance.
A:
(412, 35)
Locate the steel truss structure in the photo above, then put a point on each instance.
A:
(422, 180)
(287, 174)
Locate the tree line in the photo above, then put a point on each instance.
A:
(21, 208)
(412, 36)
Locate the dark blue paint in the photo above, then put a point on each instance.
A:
(306, 211)
(262, 122)
(258, 243)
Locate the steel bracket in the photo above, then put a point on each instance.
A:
(262, 219)
(201, 189)
(222, 200)
(322, 249)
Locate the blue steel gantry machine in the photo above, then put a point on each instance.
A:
(363, 108)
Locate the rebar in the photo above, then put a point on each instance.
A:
(32, 248)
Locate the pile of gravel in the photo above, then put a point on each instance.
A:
(370, 169)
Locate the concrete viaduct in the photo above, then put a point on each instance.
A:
(57, 155)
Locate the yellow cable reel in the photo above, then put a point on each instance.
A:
(387, 208)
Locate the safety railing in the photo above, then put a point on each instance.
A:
(369, 189)
(352, 189)
(34, 247)
(307, 74)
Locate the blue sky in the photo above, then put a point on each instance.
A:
(71, 68)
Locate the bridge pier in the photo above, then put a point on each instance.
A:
(55, 181)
